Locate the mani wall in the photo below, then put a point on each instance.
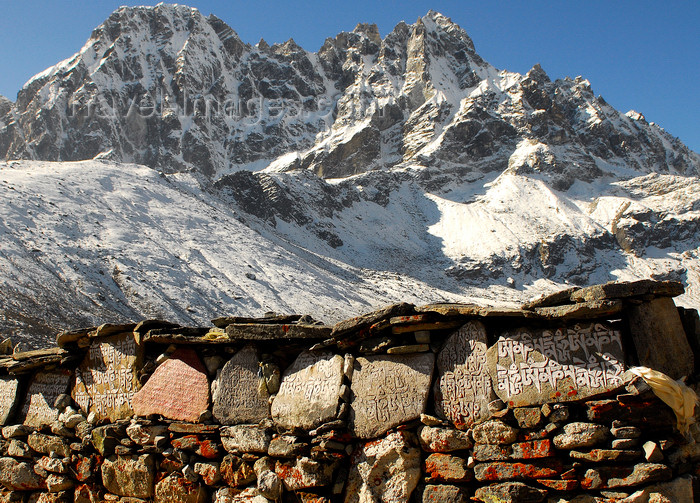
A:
(440, 403)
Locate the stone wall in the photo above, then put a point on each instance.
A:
(443, 403)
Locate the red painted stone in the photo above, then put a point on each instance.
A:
(206, 448)
(533, 450)
(502, 470)
(447, 468)
(178, 389)
(559, 485)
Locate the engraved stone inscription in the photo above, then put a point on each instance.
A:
(38, 409)
(389, 390)
(106, 380)
(463, 387)
(310, 391)
(238, 393)
(8, 397)
(531, 367)
(178, 389)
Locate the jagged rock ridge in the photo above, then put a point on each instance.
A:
(170, 88)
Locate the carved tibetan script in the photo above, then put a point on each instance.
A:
(106, 380)
(38, 409)
(310, 390)
(239, 395)
(532, 367)
(463, 388)
(389, 390)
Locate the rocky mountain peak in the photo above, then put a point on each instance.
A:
(166, 87)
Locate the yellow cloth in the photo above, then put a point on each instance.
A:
(675, 394)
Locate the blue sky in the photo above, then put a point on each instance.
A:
(639, 55)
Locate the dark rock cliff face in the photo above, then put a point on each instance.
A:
(169, 88)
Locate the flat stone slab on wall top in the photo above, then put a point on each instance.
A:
(239, 395)
(622, 290)
(106, 380)
(9, 386)
(25, 361)
(463, 388)
(388, 390)
(265, 331)
(360, 323)
(594, 309)
(310, 391)
(533, 367)
(449, 309)
(225, 321)
(659, 337)
(178, 389)
(38, 409)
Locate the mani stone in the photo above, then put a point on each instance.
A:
(533, 367)
(659, 337)
(106, 380)
(310, 391)
(463, 388)
(178, 389)
(38, 409)
(389, 390)
(238, 394)
(8, 397)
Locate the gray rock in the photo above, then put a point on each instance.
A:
(444, 493)
(52, 465)
(144, 434)
(310, 391)
(177, 489)
(577, 435)
(528, 417)
(210, 472)
(626, 432)
(245, 438)
(463, 386)
(238, 394)
(268, 482)
(304, 473)
(132, 476)
(16, 430)
(388, 391)
(287, 446)
(57, 483)
(384, 470)
(658, 320)
(532, 367)
(652, 452)
(9, 387)
(495, 432)
(444, 439)
(19, 449)
(48, 444)
(510, 492)
(625, 443)
(19, 476)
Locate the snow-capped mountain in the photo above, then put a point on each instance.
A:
(373, 170)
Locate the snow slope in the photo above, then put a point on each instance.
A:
(96, 241)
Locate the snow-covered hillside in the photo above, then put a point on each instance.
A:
(95, 241)
(200, 176)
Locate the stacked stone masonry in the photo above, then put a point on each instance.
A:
(439, 403)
